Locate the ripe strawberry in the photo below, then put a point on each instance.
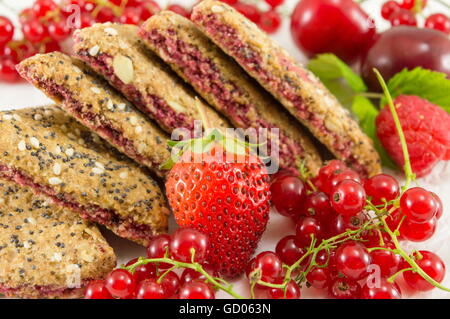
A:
(426, 128)
(227, 200)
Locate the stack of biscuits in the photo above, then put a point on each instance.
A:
(95, 158)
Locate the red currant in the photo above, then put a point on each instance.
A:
(403, 17)
(388, 8)
(305, 229)
(34, 31)
(288, 251)
(51, 46)
(6, 30)
(432, 265)
(131, 16)
(58, 31)
(105, 14)
(196, 290)
(341, 175)
(248, 10)
(418, 205)
(171, 283)
(348, 198)
(97, 290)
(388, 262)
(42, 7)
(120, 283)
(292, 291)
(158, 247)
(440, 206)
(149, 8)
(381, 188)
(275, 3)
(438, 21)
(8, 71)
(190, 275)
(288, 194)
(142, 272)
(269, 265)
(319, 278)
(327, 171)
(179, 10)
(385, 290)
(410, 4)
(344, 288)
(270, 21)
(86, 20)
(340, 223)
(150, 289)
(352, 260)
(418, 232)
(318, 205)
(230, 2)
(186, 240)
(9, 51)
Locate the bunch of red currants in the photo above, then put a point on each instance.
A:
(338, 200)
(404, 13)
(158, 280)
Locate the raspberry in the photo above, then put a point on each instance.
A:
(425, 126)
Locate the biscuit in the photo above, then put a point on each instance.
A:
(72, 85)
(221, 82)
(145, 81)
(302, 94)
(47, 251)
(49, 151)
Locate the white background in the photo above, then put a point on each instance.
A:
(24, 95)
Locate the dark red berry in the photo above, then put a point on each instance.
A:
(344, 288)
(318, 205)
(142, 272)
(269, 265)
(306, 229)
(352, 260)
(288, 251)
(348, 198)
(158, 247)
(288, 194)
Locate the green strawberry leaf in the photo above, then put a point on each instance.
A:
(430, 85)
(366, 112)
(338, 77)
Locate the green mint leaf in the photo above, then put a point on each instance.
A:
(338, 77)
(430, 85)
(366, 112)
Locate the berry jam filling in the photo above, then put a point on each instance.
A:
(45, 291)
(150, 104)
(124, 227)
(252, 60)
(205, 74)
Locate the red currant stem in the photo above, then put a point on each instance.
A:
(371, 95)
(407, 167)
(394, 276)
(408, 258)
(382, 248)
(252, 289)
(418, 6)
(160, 278)
(305, 175)
(218, 283)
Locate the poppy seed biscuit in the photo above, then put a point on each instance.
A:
(71, 84)
(116, 52)
(49, 151)
(302, 94)
(222, 82)
(47, 251)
